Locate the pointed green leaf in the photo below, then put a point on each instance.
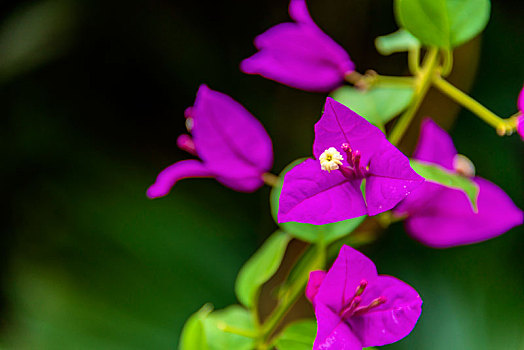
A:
(193, 336)
(435, 173)
(299, 335)
(443, 23)
(307, 232)
(399, 41)
(378, 105)
(260, 268)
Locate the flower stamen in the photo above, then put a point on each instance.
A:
(375, 303)
(353, 307)
(361, 287)
(354, 170)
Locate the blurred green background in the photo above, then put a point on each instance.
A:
(92, 95)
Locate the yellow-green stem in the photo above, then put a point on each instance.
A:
(502, 126)
(414, 60)
(372, 78)
(270, 179)
(291, 297)
(447, 62)
(386, 80)
(423, 83)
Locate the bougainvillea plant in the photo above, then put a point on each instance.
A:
(356, 174)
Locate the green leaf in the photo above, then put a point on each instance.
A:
(206, 330)
(260, 267)
(443, 23)
(399, 41)
(378, 105)
(307, 232)
(233, 316)
(193, 336)
(299, 335)
(435, 173)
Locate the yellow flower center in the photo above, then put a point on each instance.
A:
(330, 159)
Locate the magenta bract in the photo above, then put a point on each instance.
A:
(232, 144)
(355, 307)
(348, 149)
(299, 54)
(442, 217)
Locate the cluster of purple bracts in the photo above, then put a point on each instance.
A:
(355, 172)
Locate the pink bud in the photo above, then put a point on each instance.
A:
(185, 143)
(188, 113)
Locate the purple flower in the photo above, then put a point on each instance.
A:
(233, 146)
(355, 307)
(348, 150)
(520, 118)
(442, 217)
(299, 54)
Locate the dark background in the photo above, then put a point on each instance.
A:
(92, 95)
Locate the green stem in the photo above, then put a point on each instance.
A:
(502, 126)
(372, 78)
(292, 295)
(256, 314)
(414, 60)
(385, 80)
(270, 179)
(424, 79)
(447, 62)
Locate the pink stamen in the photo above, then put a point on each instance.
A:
(185, 142)
(355, 300)
(346, 147)
(356, 163)
(349, 172)
(361, 287)
(354, 170)
(348, 311)
(376, 302)
(353, 309)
